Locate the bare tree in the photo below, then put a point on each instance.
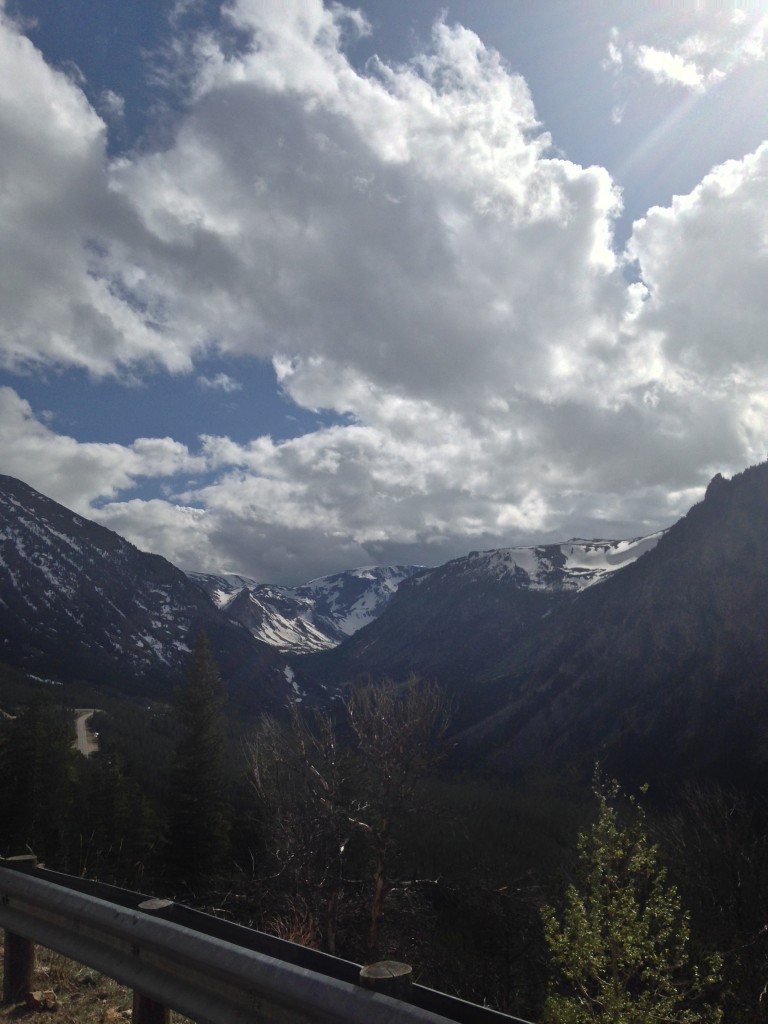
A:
(716, 843)
(317, 795)
(400, 730)
(300, 774)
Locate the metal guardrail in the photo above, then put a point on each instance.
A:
(205, 968)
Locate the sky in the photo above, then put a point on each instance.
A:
(290, 287)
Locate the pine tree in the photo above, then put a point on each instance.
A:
(622, 947)
(38, 782)
(199, 815)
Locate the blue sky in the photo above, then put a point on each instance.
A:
(287, 288)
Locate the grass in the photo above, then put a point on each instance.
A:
(83, 996)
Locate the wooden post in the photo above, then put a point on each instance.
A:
(388, 977)
(19, 958)
(147, 1011)
(158, 908)
(19, 968)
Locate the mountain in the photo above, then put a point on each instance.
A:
(457, 621)
(313, 617)
(661, 670)
(79, 603)
(221, 589)
(651, 655)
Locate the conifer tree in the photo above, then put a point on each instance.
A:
(199, 814)
(622, 946)
(38, 782)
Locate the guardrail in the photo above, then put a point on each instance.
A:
(201, 966)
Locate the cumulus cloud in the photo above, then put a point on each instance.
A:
(81, 473)
(409, 251)
(66, 299)
(704, 262)
(401, 223)
(722, 41)
(395, 224)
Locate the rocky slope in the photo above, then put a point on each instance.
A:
(656, 665)
(650, 655)
(313, 617)
(79, 603)
(661, 671)
(457, 621)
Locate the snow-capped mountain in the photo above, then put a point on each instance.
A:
(456, 620)
(321, 614)
(221, 589)
(78, 602)
(315, 616)
(660, 672)
(650, 655)
(571, 566)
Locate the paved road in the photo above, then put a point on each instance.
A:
(86, 742)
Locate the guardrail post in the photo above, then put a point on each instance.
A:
(19, 957)
(177, 960)
(390, 978)
(19, 968)
(147, 1011)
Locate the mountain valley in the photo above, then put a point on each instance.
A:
(649, 654)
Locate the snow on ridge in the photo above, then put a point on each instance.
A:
(222, 588)
(312, 616)
(319, 614)
(363, 611)
(374, 573)
(290, 678)
(291, 635)
(573, 565)
(607, 555)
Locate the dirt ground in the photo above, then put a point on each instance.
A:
(80, 995)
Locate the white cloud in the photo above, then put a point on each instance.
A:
(220, 382)
(406, 248)
(704, 262)
(61, 300)
(78, 474)
(112, 104)
(670, 67)
(708, 46)
(253, 228)
(180, 533)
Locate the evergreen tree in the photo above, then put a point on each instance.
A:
(623, 944)
(199, 815)
(117, 826)
(38, 782)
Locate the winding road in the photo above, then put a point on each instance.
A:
(86, 741)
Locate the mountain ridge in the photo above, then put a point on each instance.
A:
(452, 620)
(660, 672)
(650, 655)
(314, 616)
(78, 601)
